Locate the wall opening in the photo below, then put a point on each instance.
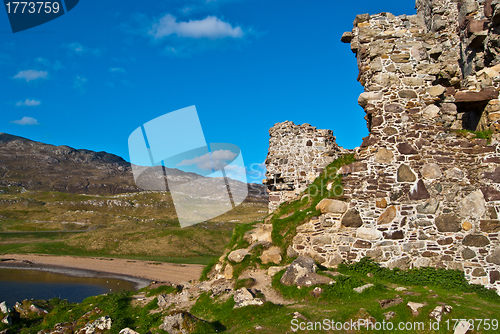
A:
(471, 114)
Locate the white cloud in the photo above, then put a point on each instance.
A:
(30, 75)
(26, 121)
(28, 103)
(210, 27)
(236, 172)
(117, 70)
(79, 49)
(219, 159)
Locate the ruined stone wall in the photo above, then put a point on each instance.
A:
(423, 191)
(297, 155)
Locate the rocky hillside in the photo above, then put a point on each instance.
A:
(261, 285)
(42, 167)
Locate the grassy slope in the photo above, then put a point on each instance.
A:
(68, 224)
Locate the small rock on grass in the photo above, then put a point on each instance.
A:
(389, 315)
(462, 327)
(386, 303)
(414, 307)
(363, 288)
(439, 311)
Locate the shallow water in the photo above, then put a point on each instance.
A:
(20, 284)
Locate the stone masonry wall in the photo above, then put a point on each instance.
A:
(423, 191)
(297, 155)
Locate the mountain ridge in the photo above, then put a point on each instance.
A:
(44, 167)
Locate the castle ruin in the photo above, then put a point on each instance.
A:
(426, 187)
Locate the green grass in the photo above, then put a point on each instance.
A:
(288, 216)
(486, 134)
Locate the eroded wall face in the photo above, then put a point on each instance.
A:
(297, 155)
(424, 192)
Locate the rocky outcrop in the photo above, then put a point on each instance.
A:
(180, 322)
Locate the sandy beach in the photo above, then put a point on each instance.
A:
(152, 271)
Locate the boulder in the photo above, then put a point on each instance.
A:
(37, 310)
(97, 326)
(274, 270)
(414, 307)
(332, 206)
(5, 308)
(261, 233)
(127, 331)
(313, 279)
(228, 271)
(439, 311)
(7, 320)
(271, 255)
(386, 303)
(180, 322)
(242, 297)
(363, 288)
(238, 255)
(473, 205)
(462, 327)
(352, 219)
(301, 266)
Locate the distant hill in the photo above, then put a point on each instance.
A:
(43, 167)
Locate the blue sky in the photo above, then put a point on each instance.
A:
(91, 77)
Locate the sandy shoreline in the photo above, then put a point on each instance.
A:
(139, 272)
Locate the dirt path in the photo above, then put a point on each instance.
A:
(155, 271)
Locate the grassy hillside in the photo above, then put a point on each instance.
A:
(138, 225)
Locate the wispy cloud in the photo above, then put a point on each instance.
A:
(56, 65)
(117, 70)
(80, 82)
(218, 159)
(28, 103)
(30, 75)
(79, 49)
(26, 121)
(210, 27)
